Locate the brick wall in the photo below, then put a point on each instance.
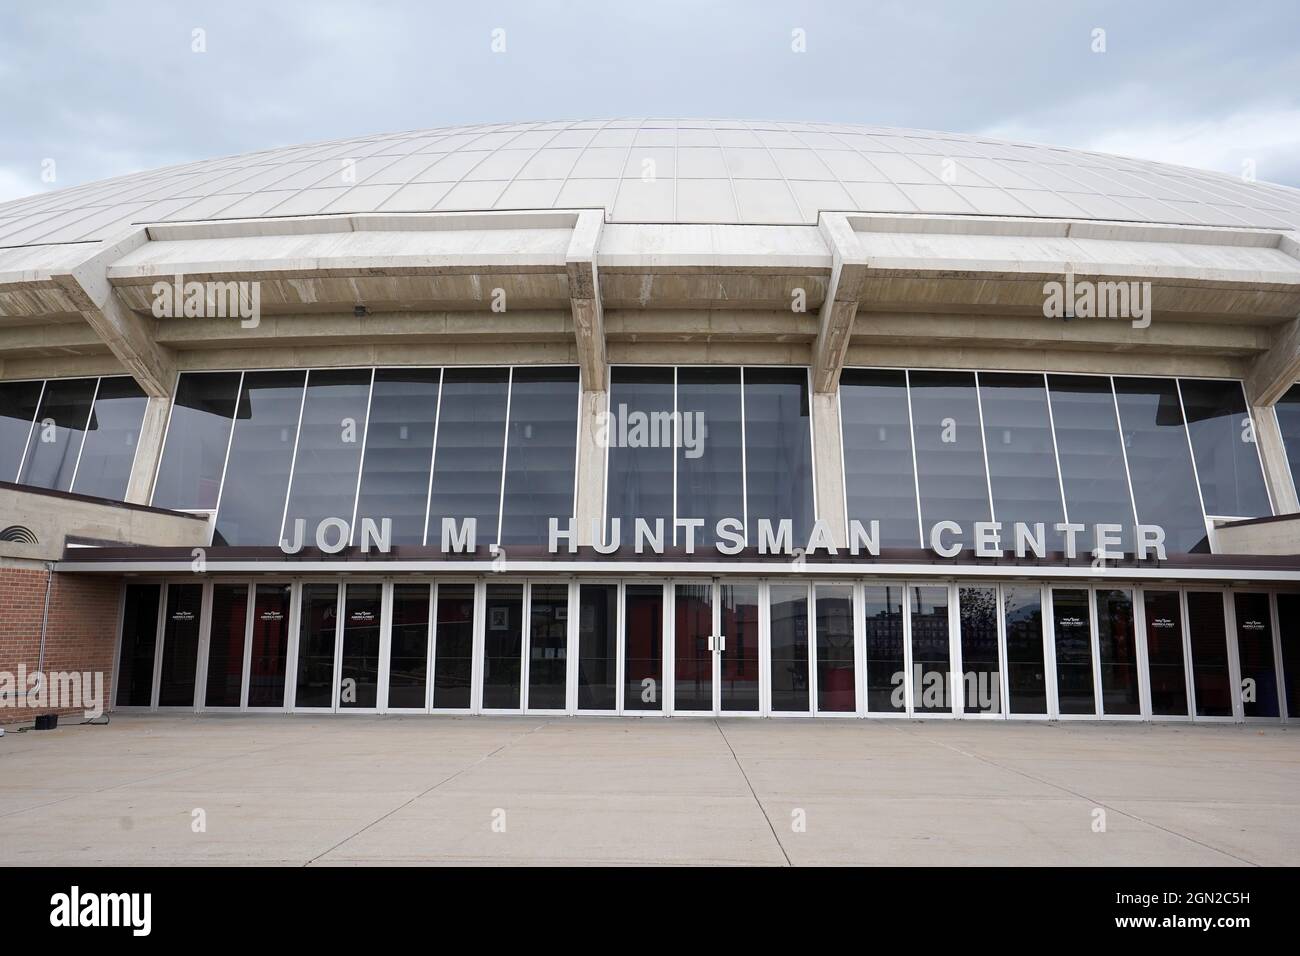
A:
(80, 636)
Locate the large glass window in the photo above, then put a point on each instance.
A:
(1160, 462)
(316, 645)
(503, 646)
(710, 476)
(359, 667)
(835, 683)
(1227, 455)
(886, 667)
(643, 647)
(548, 646)
(453, 658)
(1209, 639)
(778, 449)
(931, 660)
(225, 679)
(330, 440)
(789, 647)
(1072, 626)
(55, 442)
(949, 450)
(467, 462)
(598, 647)
(269, 660)
(880, 481)
(198, 434)
(1288, 619)
(261, 456)
(1022, 456)
(399, 451)
(738, 666)
(1164, 617)
(139, 640)
(18, 401)
(1091, 455)
(111, 438)
(1117, 652)
(1026, 672)
(1259, 690)
(981, 683)
(180, 657)
(408, 658)
(541, 454)
(1287, 410)
(640, 439)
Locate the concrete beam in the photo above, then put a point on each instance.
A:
(129, 337)
(148, 450)
(1277, 468)
(827, 447)
(1272, 374)
(584, 296)
(590, 504)
(840, 307)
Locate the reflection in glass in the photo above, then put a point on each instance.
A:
(316, 634)
(399, 450)
(1026, 672)
(693, 658)
(55, 442)
(931, 661)
(226, 645)
(835, 686)
(886, 668)
(453, 658)
(1288, 619)
(1117, 652)
(949, 450)
(1287, 411)
(643, 660)
(139, 639)
(597, 646)
(108, 452)
(880, 481)
(981, 684)
(180, 658)
(1022, 457)
(542, 453)
(1208, 632)
(1223, 441)
(640, 439)
(789, 654)
(710, 481)
(1164, 617)
(269, 661)
(198, 435)
(471, 443)
(1073, 629)
(1259, 697)
(548, 646)
(359, 667)
(18, 401)
(503, 646)
(408, 658)
(778, 449)
(739, 662)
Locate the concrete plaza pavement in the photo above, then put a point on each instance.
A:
(345, 790)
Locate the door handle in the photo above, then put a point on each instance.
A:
(718, 642)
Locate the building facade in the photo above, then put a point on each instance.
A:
(655, 417)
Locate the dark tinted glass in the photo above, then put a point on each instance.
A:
(269, 660)
(639, 435)
(1259, 692)
(1117, 651)
(408, 658)
(981, 671)
(56, 440)
(1092, 456)
(1164, 617)
(328, 458)
(180, 659)
(778, 448)
(503, 646)
(542, 453)
(261, 454)
(949, 450)
(198, 434)
(1022, 457)
(109, 449)
(835, 685)
(467, 462)
(643, 647)
(879, 478)
(1209, 638)
(710, 479)
(1227, 456)
(886, 669)
(139, 639)
(598, 647)
(789, 656)
(399, 450)
(1288, 619)
(930, 655)
(738, 690)
(1159, 461)
(692, 656)
(1288, 422)
(1026, 673)
(316, 640)
(226, 645)
(453, 659)
(18, 401)
(359, 669)
(1071, 619)
(548, 646)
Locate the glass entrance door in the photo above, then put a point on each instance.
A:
(715, 648)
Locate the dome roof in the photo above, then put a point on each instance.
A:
(656, 170)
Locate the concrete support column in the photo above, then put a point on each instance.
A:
(1277, 470)
(828, 464)
(148, 450)
(590, 502)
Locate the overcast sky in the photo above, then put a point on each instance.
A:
(106, 88)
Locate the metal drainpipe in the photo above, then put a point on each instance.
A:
(45, 614)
